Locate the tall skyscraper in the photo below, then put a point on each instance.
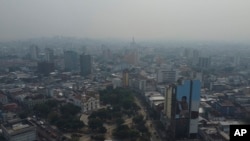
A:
(70, 60)
(49, 55)
(45, 67)
(85, 64)
(33, 50)
(167, 75)
(83, 50)
(195, 57)
(181, 109)
(204, 62)
(125, 78)
(133, 44)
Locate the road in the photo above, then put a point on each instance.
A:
(46, 132)
(149, 122)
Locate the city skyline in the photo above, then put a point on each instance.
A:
(224, 20)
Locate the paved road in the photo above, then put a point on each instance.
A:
(149, 122)
(41, 132)
(45, 131)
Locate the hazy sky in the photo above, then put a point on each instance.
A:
(143, 19)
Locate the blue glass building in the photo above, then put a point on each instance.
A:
(181, 109)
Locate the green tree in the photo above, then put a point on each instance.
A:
(75, 139)
(70, 109)
(95, 123)
(121, 132)
(69, 124)
(53, 117)
(98, 137)
(42, 110)
(119, 121)
(141, 127)
(102, 114)
(138, 119)
(102, 130)
(52, 103)
(23, 114)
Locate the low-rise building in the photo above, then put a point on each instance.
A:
(3, 99)
(210, 134)
(19, 130)
(87, 102)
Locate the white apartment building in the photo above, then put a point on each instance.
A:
(165, 75)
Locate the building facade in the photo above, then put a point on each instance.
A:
(125, 78)
(85, 64)
(87, 102)
(45, 67)
(181, 109)
(19, 130)
(33, 51)
(49, 55)
(169, 76)
(117, 82)
(204, 62)
(70, 60)
(3, 99)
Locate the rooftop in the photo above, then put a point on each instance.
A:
(2, 95)
(17, 126)
(228, 122)
(156, 98)
(226, 103)
(156, 103)
(151, 93)
(212, 132)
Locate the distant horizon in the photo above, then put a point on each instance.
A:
(128, 40)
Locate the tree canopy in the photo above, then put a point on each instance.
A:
(64, 117)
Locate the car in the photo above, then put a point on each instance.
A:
(53, 135)
(34, 117)
(41, 122)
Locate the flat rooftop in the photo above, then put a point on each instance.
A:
(151, 93)
(156, 103)
(17, 126)
(156, 98)
(228, 122)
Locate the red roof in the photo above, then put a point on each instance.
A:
(10, 106)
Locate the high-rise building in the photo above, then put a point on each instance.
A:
(125, 78)
(106, 53)
(84, 50)
(45, 67)
(204, 62)
(142, 85)
(33, 50)
(181, 110)
(236, 61)
(168, 76)
(70, 60)
(49, 55)
(195, 57)
(85, 64)
(131, 55)
(116, 82)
